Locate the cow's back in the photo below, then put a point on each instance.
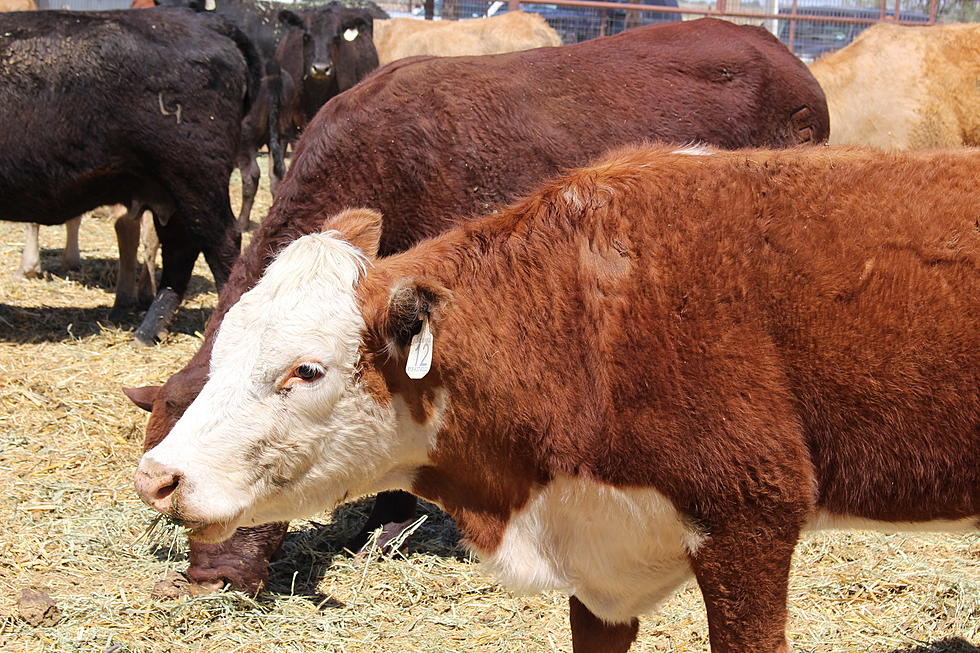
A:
(899, 87)
(398, 38)
(443, 136)
(173, 71)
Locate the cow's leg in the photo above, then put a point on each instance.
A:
(250, 186)
(393, 512)
(30, 257)
(222, 252)
(274, 178)
(592, 635)
(180, 251)
(71, 255)
(743, 575)
(127, 237)
(149, 243)
(242, 561)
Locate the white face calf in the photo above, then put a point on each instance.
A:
(284, 427)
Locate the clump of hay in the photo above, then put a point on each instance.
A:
(72, 525)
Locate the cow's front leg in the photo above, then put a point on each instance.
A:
(743, 574)
(590, 634)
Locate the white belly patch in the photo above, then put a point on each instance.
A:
(620, 551)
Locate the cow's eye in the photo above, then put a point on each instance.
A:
(309, 371)
(305, 372)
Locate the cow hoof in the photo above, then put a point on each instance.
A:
(119, 314)
(387, 542)
(32, 273)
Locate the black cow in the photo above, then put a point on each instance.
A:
(315, 70)
(314, 27)
(142, 108)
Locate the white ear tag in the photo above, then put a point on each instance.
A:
(210, 5)
(350, 34)
(420, 353)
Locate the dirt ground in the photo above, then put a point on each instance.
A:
(71, 525)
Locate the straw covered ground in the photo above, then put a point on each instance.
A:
(71, 525)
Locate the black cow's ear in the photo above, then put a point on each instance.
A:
(414, 301)
(290, 19)
(360, 227)
(143, 397)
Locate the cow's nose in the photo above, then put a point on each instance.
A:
(320, 69)
(157, 486)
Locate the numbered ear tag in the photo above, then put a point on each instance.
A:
(350, 34)
(420, 353)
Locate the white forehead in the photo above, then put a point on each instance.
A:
(303, 306)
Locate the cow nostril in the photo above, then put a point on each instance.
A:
(165, 491)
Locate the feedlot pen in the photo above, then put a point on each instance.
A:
(73, 527)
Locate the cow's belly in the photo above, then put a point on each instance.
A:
(619, 551)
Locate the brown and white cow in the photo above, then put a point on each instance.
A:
(659, 367)
(427, 139)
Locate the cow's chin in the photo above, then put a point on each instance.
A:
(210, 533)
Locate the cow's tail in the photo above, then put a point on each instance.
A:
(275, 103)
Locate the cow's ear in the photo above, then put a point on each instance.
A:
(290, 19)
(360, 227)
(143, 397)
(414, 301)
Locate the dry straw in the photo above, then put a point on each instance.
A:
(72, 526)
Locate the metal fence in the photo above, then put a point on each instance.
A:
(809, 27)
(83, 5)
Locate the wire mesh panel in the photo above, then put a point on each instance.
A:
(83, 5)
(809, 27)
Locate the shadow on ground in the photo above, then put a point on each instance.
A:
(948, 645)
(309, 553)
(23, 325)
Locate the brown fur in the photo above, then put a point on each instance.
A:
(791, 332)
(898, 87)
(430, 141)
(397, 38)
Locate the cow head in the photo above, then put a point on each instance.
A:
(334, 39)
(297, 414)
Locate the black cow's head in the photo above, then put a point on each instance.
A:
(337, 43)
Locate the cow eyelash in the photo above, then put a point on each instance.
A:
(305, 372)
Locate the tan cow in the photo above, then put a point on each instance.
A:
(17, 5)
(899, 88)
(398, 38)
(662, 367)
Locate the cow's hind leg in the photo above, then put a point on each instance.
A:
(30, 257)
(150, 244)
(393, 512)
(71, 255)
(592, 635)
(127, 238)
(250, 186)
(180, 251)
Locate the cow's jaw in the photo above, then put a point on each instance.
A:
(255, 446)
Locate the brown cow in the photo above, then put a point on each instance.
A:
(397, 38)
(661, 367)
(426, 139)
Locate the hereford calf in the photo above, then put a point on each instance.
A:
(427, 139)
(661, 366)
